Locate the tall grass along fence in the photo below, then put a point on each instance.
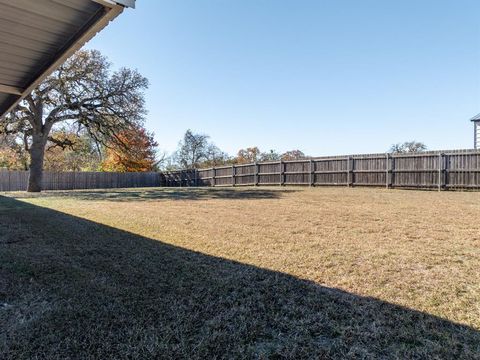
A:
(18, 180)
(442, 170)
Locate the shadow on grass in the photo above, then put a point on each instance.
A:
(72, 288)
(168, 193)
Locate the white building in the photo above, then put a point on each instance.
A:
(476, 134)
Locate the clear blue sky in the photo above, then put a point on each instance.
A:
(325, 76)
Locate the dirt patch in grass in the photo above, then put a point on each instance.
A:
(329, 273)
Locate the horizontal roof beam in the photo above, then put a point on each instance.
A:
(12, 90)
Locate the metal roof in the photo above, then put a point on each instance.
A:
(476, 118)
(37, 36)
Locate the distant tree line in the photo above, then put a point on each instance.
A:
(196, 151)
(408, 147)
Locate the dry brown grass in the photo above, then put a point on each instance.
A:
(418, 250)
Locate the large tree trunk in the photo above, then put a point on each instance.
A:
(37, 155)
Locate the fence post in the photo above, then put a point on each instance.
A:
(213, 176)
(312, 173)
(281, 173)
(445, 170)
(440, 171)
(255, 174)
(388, 169)
(350, 171)
(233, 175)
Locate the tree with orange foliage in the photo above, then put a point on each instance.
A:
(136, 154)
(248, 155)
(13, 155)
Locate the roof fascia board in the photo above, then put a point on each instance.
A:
(126, 3)
(112, 3)
(476, 118)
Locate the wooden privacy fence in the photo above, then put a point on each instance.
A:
(442, 170)
(18, 180)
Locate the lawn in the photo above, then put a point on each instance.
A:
(240, 273)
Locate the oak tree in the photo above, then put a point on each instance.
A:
(84, 93)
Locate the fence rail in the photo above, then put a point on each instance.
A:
(442, 170)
